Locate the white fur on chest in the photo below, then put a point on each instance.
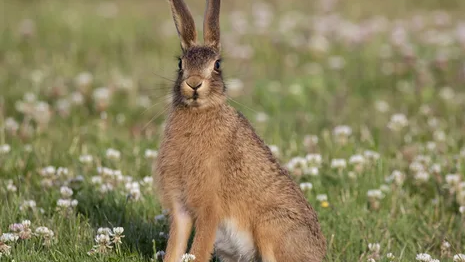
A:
(233, 244)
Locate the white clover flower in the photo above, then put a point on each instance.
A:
(102, 94)
(234, 87)
(462, 210)
(261, 117)
(74, 203)
(459, 258)
(338, 163)
(135, 193)
(118, 230)
(390, 256)
(312, 171)
(314, 159)
(343, 130)
(151, 154)
(375, 194)
(453, 179)
(113, 154)
(439, 135)
(397, 122)
(86, 159)
(64, 203)
(382, 106)
(27, 204)
(187, 258)
(8, 237)
(11, 125)
(274, 150)
(422, 176)
(371, 155)
(48, 171)
(10, 187)
(431, 146)
(96, 180)
(356, 160)
(371, 260)
(306, 186)
(44, 231)
(322, 197)
(104, 231)
(416, 166)
(147, 180)
(102, 239)
(310, 140)
(423, 257)
(84, 79)
(385, 188)
(5, 149)
(66, 192)
(374, 247)
(26, 223)
(435, 168)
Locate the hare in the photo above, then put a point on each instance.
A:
(214, 172)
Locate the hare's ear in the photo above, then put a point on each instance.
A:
(211, 24)
(184, 23)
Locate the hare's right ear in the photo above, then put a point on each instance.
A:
(184, 23)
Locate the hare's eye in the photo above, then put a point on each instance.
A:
(180, 63)
(217, 65)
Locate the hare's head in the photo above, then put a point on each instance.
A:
(199, 83)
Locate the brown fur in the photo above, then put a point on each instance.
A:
(214, 172)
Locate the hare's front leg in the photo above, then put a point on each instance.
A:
(180, 229)
(206, 224)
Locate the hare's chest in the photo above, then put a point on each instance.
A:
(233, 243)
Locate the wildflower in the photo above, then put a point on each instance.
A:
(66, 203)
(371, 260)
(84, 79)
(452, 179)
(147, 180)
(390, 256)
(374, 247)
(96, 180)
(439, 135)
(422, 176)
(117, 235)
(310, 140)
(423, 257)
(104, 231)
(314, 159)
(322, 197)
(46, 234)
(416, 166)
(375, 194)
(235, 87)
(274, 150)
(187, 258)
(459, 258)
(8, 237)
(338, 164)
(261, 117)
(462, 210)
(4, 249)
(312, 171)
(62, 171)
(445, 249)
(397, 122)
(151, 154)
(66, 192)
(48, 171)
(11, 125)
(306, 186)
(371, 155)
(4, 149)
(435, 168)
(382, 106)
(10, 187)
(342, 134)
(357, 161)
(385, 188)
(103, 243)
(28, 204)
(325, 204)
(113, 154)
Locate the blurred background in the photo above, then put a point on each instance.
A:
(363, 102)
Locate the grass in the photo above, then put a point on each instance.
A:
(294, 86)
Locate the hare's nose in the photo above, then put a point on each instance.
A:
(194, 82)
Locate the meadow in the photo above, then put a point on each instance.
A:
(362, 101)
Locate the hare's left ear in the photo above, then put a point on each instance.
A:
(184, 23)
(211, 24)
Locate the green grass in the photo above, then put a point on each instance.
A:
(133, 49)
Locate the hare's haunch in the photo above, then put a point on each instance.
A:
(214, 173)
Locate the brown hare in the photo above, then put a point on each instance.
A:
(215, 173)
